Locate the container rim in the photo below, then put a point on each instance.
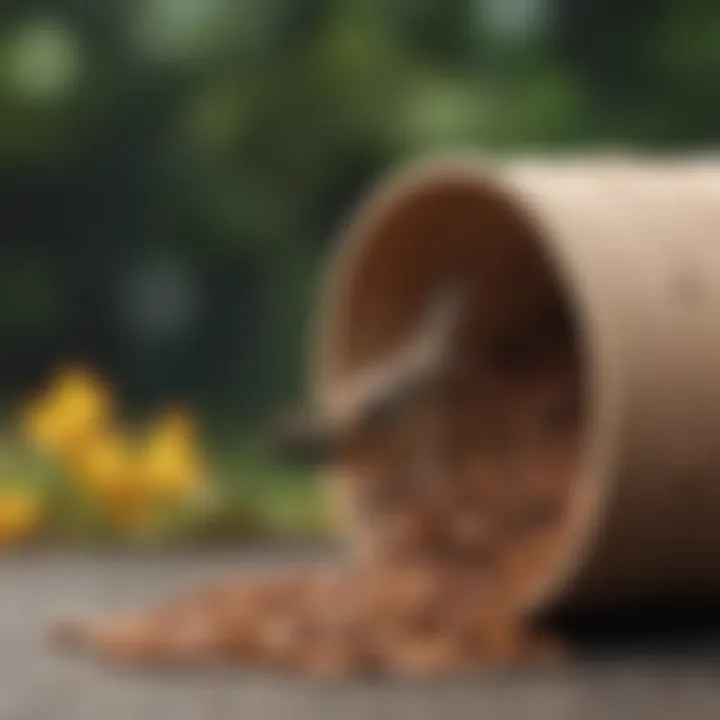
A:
(514, 183)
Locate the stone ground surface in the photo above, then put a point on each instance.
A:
(36, 684)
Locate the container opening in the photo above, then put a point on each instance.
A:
(512, 417)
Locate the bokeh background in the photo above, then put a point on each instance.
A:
(172, 172)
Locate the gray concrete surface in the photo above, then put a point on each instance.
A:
(35, 683)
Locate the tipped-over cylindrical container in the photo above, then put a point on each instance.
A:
(632, 248)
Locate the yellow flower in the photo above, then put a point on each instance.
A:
(171, 462)
(76, 405)
(20, 512)
(109, 471)
(106, 466)
(129, 511)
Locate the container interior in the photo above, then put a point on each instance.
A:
(514, 408)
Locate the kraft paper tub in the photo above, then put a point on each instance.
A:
(633, 248)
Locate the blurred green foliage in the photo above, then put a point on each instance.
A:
(171, 170)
